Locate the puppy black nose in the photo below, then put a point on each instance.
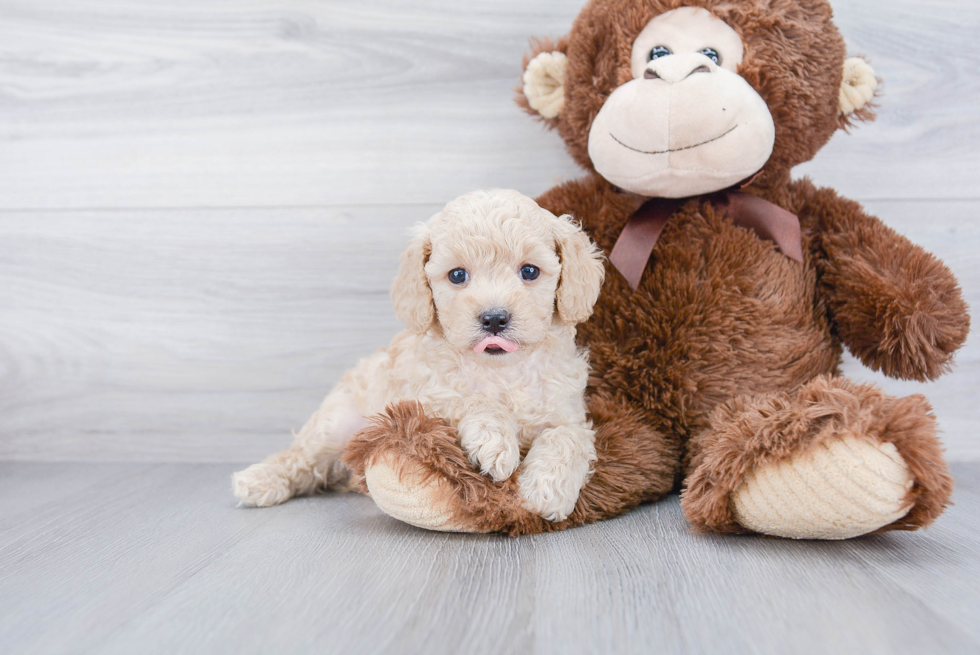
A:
(495, 321)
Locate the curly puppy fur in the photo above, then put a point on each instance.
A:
(721, 318)
(500, 403)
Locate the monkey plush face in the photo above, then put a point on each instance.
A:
(687, 123)
(676, 98)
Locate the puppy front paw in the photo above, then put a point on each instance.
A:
(261, 485)
(489, 448)
(555, 470)
(547, 496)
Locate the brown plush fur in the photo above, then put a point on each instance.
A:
(793, 58)
(627, 473)
(725, 357)
(747, 432)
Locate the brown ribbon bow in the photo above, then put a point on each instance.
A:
(770, 221)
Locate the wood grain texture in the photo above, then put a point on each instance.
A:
(208, 335)
(185, 335)
(204, 103)
(201, 205)
(157, 559)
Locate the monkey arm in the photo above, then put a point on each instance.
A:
(896, 307)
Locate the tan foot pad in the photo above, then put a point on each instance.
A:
(424, 504)
(846, 487)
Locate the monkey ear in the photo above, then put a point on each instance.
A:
(582, 271)
(542, 90)
(410, 291)
(857, 90)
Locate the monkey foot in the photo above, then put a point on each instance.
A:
(405, 492)
(832, 460)
(414, 468)
(844, 488)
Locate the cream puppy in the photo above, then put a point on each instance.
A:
(491, 288)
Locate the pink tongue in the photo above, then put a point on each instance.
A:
(504, 344)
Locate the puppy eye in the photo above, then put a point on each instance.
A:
(458, 276)
(530, 272)
(712, 54)
(658, 52)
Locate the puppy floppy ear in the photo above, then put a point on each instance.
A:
(858, 88)
(410, 291)
(542, 89)
(582, 271)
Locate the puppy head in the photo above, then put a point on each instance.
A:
(494, 271)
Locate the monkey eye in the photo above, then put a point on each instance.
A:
(712, 54)
(458, 276)
(530, 272)
(658, 52)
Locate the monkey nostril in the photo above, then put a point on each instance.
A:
(495, 321)
(650, 75)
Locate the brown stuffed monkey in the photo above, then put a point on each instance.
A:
(730, 291)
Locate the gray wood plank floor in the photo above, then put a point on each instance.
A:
(156, 558)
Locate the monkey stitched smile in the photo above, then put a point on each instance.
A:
(664, 152)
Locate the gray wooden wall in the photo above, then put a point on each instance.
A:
(202, 201)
